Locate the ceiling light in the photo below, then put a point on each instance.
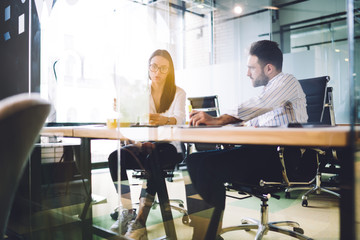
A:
(238, 9)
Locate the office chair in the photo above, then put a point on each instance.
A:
(21, 118)
(320, 110)
(315, 90)
(263, 191)
(166, 173)
(210, 105)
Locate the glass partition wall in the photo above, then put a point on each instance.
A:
(99, 45)
(93, 52)
(354, 49)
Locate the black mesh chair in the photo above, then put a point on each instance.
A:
(320, 111)
(263, 191)
(210, 105)
(315, 91)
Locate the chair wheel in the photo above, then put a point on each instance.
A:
(186, 220)
(114, 215)
(245, 222)
(298, 230)
(287, 195)
(304, 203)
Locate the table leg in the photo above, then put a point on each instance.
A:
(158, 177)
(347, 204)
(84, 165)
(213, 225)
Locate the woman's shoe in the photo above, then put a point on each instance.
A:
(126, 216)
(136, 231)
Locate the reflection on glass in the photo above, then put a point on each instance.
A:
(99, 52)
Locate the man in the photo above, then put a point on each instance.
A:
(282, 101)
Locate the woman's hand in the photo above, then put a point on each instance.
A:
(158, 119)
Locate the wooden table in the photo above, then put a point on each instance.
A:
(316, 136)
(320, 136)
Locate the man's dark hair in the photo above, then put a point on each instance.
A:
(267, 52)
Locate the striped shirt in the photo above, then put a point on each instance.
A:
(282, 101)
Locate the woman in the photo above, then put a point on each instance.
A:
(167, 107)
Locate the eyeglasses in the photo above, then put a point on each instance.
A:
(154, 68)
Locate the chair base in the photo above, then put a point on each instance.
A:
(313, 188)
(181, 208)
(271, 226)
(263, 226)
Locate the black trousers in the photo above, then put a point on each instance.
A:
(209, 170)
(133, 157)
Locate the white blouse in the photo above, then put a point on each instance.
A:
(176, 109)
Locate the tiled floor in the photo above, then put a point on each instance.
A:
(320, 220)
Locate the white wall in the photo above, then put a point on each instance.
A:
(227, 78)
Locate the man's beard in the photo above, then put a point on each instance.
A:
(262, 80)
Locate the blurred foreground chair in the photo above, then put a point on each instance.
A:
(21, 120)
(320, 111)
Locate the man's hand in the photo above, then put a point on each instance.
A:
(201, 118)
